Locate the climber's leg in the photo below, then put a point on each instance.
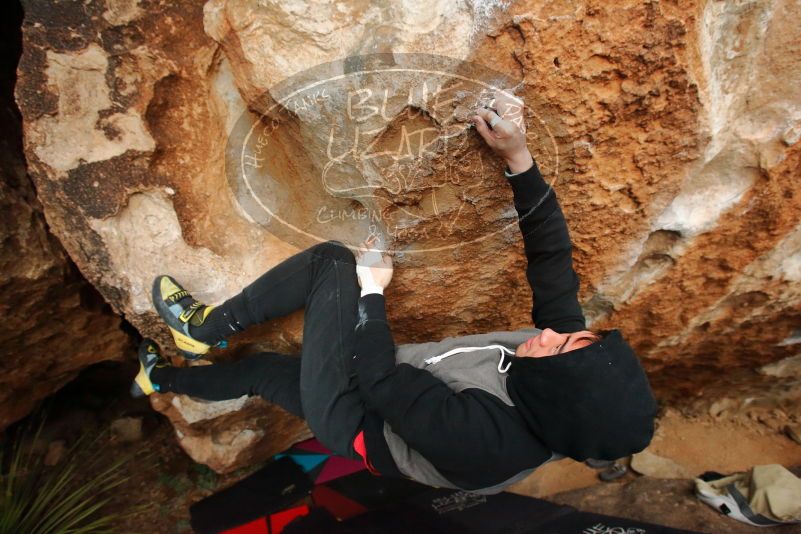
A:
(280, 291)
(272, 376)
(323, 279)
(329, 393)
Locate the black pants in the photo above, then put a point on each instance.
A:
(319, 386)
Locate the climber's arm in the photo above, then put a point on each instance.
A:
(446, 427)
(546, 240)
(408, 398)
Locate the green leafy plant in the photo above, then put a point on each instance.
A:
(205, 478)
(37, 499)
(179, 484)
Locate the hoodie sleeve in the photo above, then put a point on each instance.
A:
(546, 240)
(446, 427)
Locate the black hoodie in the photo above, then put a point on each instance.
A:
(591, 402)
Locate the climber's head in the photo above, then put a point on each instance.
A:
(589, 402)
(549, 342)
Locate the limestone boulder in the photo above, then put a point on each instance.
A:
(212, 141)
(53, 323)
(238, 432)
(652, 465)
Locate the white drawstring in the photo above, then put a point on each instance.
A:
(503, 352)
(500, 361)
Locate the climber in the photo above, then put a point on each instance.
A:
(476, 412)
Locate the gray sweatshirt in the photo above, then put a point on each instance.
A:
(474, 361)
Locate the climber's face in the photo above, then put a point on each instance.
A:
(549, 342)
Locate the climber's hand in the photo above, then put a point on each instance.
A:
(508, 137)
(373, 269)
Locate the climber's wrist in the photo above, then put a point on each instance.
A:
(371, 289)
(520, 162)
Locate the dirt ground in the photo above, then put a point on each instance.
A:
(164, 481)
(698, 444)
(665, 502)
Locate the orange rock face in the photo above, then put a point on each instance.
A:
(213, 141)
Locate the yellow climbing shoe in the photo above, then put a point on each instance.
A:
(180, 310)
(149, 358)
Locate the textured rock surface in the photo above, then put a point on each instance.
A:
(54, 323)
(678, 159)
(653, 465)
(238, 432)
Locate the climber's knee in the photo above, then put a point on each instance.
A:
(336, 250)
